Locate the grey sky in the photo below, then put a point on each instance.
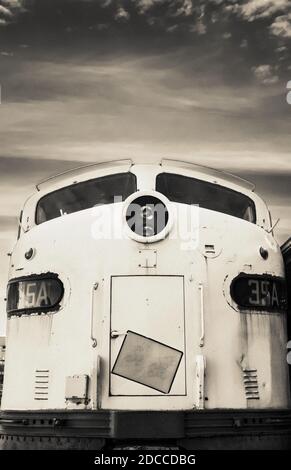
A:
(86, 80)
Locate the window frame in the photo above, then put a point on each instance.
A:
(225, 188)
(74, 185)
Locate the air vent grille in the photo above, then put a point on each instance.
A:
(250, 378)
(41, 384)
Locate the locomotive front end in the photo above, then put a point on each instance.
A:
(146, 302)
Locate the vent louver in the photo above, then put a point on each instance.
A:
(251, 385)
(41, 384)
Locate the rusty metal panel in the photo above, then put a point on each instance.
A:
(148, 362)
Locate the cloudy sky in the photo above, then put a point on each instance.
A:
(91, 80)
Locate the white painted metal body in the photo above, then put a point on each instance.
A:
(174, 291)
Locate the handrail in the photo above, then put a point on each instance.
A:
(207, 170)
(202, 326)
(92, 337)
(79, 169)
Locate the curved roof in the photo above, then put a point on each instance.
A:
(128, 163)
(83, 169)
(205, 170)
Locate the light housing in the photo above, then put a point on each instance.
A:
(259, 292)
(148, 216)
(40, 293)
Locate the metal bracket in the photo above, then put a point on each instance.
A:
(147, 258)
(115, 334)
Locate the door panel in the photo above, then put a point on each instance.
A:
(147, 336)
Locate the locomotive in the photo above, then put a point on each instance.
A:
(146, 302)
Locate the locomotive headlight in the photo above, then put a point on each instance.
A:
(147, 215)
(34, 294)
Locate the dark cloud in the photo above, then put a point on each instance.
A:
(78, 73)
(28, 171)
(274, 187)
(95, 27)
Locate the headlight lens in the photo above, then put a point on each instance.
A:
(34, 294)
(147, 216)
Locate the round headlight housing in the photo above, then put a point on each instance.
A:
(147, 216)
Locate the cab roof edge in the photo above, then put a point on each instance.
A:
(79, 169)
(230, 177)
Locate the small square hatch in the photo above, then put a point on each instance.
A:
(76, 387)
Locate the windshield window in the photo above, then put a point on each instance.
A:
(80, 196)
(185, 190)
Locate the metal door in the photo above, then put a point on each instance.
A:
(147, 345)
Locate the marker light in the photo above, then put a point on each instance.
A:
(259, 292)
(34, 294)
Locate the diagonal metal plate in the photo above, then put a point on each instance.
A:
(147, 362)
